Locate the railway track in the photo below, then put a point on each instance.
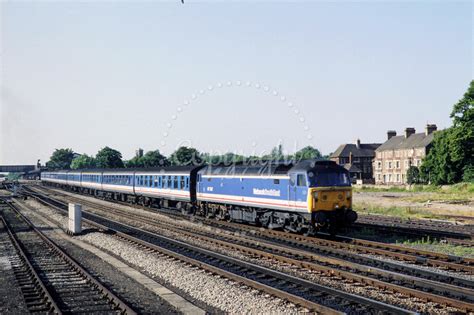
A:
(429, 286)
(331, 245)
(297, 290)
(453, 233)
(50, 280)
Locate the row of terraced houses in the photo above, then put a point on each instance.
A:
(388, 162)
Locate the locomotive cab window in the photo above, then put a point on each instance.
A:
(301, 180)
(276, 181)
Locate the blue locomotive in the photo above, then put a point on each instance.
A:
(299, 198)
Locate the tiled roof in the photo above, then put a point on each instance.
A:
(364, 150)
(417, 140)
(352, 168)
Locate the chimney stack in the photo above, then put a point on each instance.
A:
(391, 133)
(430, 128)
(357, 143)
(409, 131)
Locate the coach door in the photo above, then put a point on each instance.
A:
(292, 191)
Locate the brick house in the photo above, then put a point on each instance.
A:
(394, 157)
(357, 159)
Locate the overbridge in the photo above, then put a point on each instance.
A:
(17, 168)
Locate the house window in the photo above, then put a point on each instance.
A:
(379, 165)
(398, 178)
(398, 164)
(389, 177)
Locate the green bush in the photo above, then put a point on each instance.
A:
(468, 175)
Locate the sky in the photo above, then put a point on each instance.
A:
(225, 76)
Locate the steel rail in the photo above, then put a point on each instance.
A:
(50, 302)
(119, 304)
(345, 243)
(462, 294)
(132, 235)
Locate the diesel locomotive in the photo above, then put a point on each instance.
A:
(304, 197)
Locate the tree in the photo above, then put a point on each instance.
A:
(185, 156)
(136, 161)
(109, 158)
(468, 175)
(307, 153)
(413, 175)
(226, 159)
(154, 159)
(451, 156)
(83, 161)
(277, 153)
(60, 159)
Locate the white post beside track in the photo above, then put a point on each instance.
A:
(75, 218)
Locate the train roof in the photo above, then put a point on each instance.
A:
(267, 168)
(264, 169)
(164, 170)
(317, 166)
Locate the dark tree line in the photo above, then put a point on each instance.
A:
(451, 158)
(111, 158)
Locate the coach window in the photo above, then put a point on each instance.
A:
(181, 183)
(301, 180)
(187, 182)
(169, 181)
(175, 182)
(276, 181)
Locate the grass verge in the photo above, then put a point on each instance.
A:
(440, 247)
(399, 212)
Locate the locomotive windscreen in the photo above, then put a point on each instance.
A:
(329, 178)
